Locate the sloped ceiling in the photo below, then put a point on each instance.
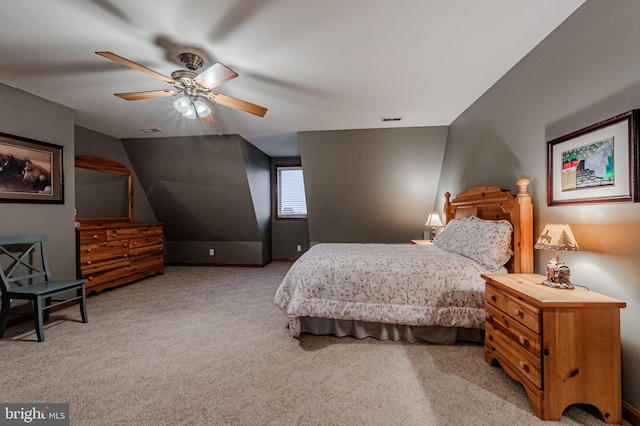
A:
(316, 65)
(197, 187)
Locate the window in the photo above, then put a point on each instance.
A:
(292, 203)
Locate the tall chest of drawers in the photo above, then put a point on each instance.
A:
(563, 346)
(120, 253)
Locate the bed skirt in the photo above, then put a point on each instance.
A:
(361, 329)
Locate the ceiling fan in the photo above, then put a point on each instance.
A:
(194, 87)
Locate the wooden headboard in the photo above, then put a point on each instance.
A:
(491, 203)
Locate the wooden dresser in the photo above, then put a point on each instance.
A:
(563, 346)
(119, 253)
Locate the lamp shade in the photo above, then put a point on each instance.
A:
(556, 237)
(433, 220)
(182, 104)
(201, 108)
(190, 113)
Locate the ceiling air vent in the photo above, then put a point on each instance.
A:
(155, 130)
(391, 118)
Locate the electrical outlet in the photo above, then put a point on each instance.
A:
(212, 252)
(298, 247)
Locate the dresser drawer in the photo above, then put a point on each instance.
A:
(523, 313)
(88, 250)
(495, 297)
(519, 334)
(89, 236)
(154, 263)
(146, 250)
(98, 255)
(134, 232)
(153, 240)
(91, 268)
(104, 276)
(521, 360)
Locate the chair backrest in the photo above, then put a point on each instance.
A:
(23, 261)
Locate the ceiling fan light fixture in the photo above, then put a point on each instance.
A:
(191, 86)
(202, 108)
(182, 104)
(190, 113)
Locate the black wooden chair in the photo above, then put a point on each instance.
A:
(25, 275)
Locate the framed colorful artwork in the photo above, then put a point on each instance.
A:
(597, 164)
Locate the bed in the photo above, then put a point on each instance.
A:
(414, 292)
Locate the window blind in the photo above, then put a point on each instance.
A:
(291, 198)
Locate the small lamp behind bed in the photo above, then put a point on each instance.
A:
(557, 237)
(433, 221)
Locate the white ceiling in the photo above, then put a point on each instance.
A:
(316, 65)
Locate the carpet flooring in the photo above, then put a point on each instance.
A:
(207, 346)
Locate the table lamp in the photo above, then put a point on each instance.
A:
(433, 220)
(557, 237)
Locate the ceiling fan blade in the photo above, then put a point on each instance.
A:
(215, 75)
(206, 120)
(136, 96)
(238, 104)
(131, 64)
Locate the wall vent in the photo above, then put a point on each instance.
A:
(391, 118)
(154, 130)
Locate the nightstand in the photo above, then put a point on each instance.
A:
(423, 242)
(563, 346)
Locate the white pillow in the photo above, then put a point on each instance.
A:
(452, 237)
(488, 242)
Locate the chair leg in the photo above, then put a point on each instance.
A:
(37, 308)
(83, 303)
(47, 310)
(4, 314)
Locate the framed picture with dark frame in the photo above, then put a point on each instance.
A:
(597, 164)
(30, 171)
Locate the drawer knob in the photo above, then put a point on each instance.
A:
(89, 262)
(493, 298)
(524, 366)
(523, 341)
(519, 313)
(94, 236)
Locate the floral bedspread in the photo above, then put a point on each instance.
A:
(389, 283)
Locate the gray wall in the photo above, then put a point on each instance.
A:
(287, 234)
(211, 192)
(26, 115)
(374, 185)
(584, 72)
(100, 145)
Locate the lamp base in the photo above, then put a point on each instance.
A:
(565, 286)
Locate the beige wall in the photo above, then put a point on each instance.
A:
(586, 71)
